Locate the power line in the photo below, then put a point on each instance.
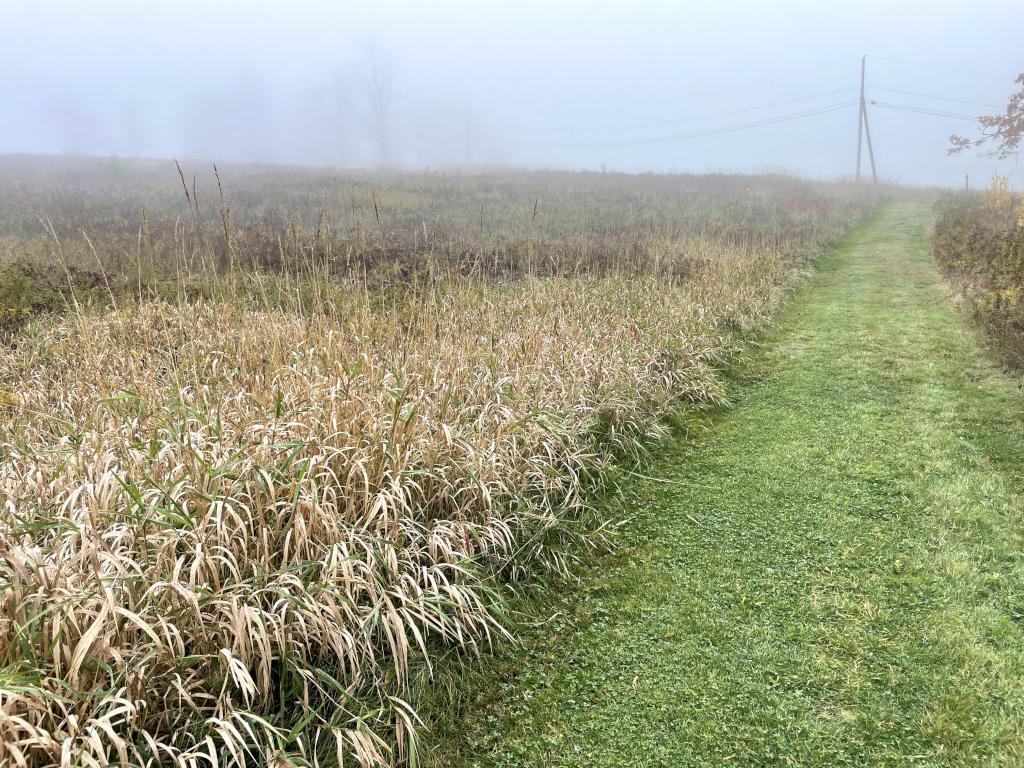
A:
(934, 96)
(700, 118)
(924, 111)
(751, 85)
(699, 134)
(744, 86)
(947, 68)
(778, 119)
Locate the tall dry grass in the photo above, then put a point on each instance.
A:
(230, 530)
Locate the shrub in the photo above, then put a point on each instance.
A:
(979, 244)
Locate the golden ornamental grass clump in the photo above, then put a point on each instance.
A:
(234, 535)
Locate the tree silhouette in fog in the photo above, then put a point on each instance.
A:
(375, 80)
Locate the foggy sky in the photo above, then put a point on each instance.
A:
(531, 83)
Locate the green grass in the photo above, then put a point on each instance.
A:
(833, 575)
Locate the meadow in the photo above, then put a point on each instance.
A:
(274, 442)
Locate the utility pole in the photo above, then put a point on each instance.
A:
(871, 150)
(863, 129)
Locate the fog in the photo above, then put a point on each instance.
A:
(621, 86)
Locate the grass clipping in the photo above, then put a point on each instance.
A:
(231, 536)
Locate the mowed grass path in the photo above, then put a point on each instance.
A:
(832, 575)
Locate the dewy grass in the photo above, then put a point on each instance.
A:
(230, 528)
(831, 576)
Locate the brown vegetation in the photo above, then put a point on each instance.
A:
(979, 244)
(269, 459)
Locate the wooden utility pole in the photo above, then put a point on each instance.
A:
(871, 150)
(863, 129)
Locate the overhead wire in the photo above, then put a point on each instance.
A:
(699, 134)
(933, 96)
(775, 120)
(713, 116)
(946, 67)
(924, 111)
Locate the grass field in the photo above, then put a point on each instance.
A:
(273, 444)
(831, 575)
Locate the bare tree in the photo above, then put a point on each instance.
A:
(1005, 131)
(375, 80)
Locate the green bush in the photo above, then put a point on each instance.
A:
(22, 295)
